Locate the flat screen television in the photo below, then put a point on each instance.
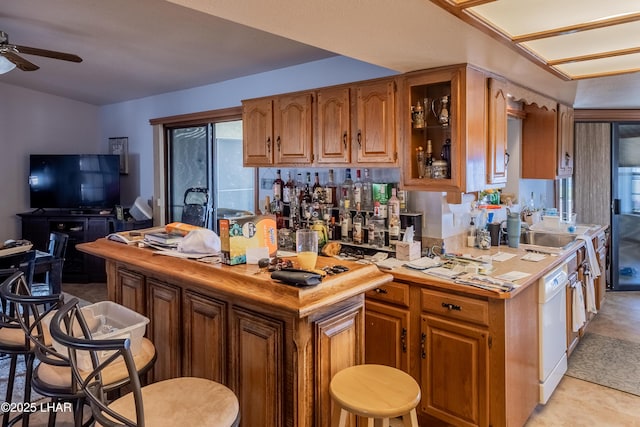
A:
(74, 181)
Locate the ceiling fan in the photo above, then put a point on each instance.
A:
(11, 51)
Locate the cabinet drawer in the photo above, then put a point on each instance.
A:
(455, 306)
(396, 293)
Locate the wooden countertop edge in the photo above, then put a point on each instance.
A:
(245, 281)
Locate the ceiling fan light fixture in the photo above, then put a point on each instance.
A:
(6, 65)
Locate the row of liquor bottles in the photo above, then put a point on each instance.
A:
(357, 191)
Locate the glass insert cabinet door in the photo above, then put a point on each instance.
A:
(625, 219)
(208, 156)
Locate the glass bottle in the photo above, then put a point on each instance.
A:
(367, 191)
(346, 189)
(331, 190)
(446, 155)
(421, 162)
(357, 189)
(317, 190)
(376, 227)
(428, 171)
(289, 190)
(358, 226)
(306, 192)
(331, 229)
(394, 217)
(345, 221)
(278, 186)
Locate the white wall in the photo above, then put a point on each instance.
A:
(131, 119)
(37, 123)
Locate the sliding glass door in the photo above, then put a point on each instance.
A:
(208, 156)
(625, 220)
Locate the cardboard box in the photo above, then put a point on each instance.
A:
(238, 234)
(408, 251)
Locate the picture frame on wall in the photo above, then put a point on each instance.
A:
(120, 146)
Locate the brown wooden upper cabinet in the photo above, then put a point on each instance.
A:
(278, 130)
(462, 90)
(497, 156)
(332, 126)
(333, 129)
(547, 136)
(375, 121)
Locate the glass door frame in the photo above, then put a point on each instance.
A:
(616, 211)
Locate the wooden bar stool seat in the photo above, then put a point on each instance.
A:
(375, 392)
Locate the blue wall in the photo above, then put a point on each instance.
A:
(131, 119)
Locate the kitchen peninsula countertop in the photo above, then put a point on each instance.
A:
(247, 280)
(535, 269)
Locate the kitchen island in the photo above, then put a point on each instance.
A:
(276, 346)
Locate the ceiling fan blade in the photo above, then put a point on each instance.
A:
(20, 62)
(48, 53)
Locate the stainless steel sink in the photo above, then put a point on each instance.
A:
(548, 239)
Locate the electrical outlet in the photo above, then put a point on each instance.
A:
(266, 183)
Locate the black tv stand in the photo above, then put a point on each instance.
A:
(82, 225)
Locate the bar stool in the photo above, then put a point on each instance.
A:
(375, 392)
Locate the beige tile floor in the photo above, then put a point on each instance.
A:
(580, 403)
(575, 403)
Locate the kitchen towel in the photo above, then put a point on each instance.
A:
(579, 316)
(591, 293)
(591, 255)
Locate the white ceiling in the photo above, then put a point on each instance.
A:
(132, 49)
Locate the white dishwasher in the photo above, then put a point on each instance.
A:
(552, 325)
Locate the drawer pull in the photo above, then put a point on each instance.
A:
(403, 340)
(451, 306)
(380, 291)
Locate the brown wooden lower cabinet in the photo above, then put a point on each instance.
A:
(474, 357)
(165, 325)
(454, 371)
(205, 340)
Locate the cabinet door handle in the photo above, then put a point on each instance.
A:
(380, 291)
(423, 340)
(567, 158)
(507, 157)
(344, 139)
(450, 307)
(403, 340)
(359, 138)
(278, 143)
(269, 145)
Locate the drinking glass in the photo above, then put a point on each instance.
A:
(307, 248)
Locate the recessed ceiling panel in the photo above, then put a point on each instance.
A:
(600, 67)
(572, 38)
(518, 17)
(608, 39)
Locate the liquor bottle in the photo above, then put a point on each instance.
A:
(358, 226)
(317, 190)
(305, 195)
(445, 155)
(331, 229)
(403, 197)
(367, 191)
(289, 190)
(299, 183)
(394, 217)
(345, 221)
(277, 210)
(376, 227)
(278, 186)
(331, 190)
(346, 189)
(357, 189)
(428, 170)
